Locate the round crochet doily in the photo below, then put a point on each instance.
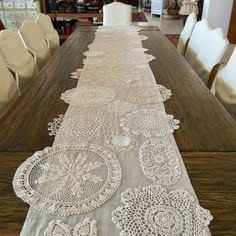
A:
(159, 161)
(145, 94)
(88, 96)
(68, 180)
(149, 123)
(58, 228)
(154, 211)
(84, 128)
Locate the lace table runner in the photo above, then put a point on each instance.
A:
(114, 168)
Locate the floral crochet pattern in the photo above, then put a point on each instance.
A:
(155, 211)
(159, 161)
(68, 180)
(149, 123)
(146, 94)
(84, 127)
(58, 228)
(88, 96)
(54, 125)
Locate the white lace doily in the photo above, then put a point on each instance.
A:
(88, 96)
(145, 94)
(121, 142)
(54, 125)
(84, 128)
(149, 123)
(114, 76)
(93, 53)
(68, 180)
(153, 211)
(58, 228)
(159, 161)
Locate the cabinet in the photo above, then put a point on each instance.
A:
(13, 13)
(157, 6)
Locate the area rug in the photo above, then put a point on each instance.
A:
(174, 38)
(138, 17)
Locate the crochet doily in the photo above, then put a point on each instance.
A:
(146, 94)
(121, 142)
(68, 180)
(93, 53)
(58, 228)
(54, 125)
(76, 74)
(149, 123)
(154, 211)
(88, 96)
(159, 161)
(118, 75)
(84, 128)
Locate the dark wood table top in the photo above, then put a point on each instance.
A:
(205, 125)
(206, 138)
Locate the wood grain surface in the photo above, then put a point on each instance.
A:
(206, 138)
(205, 125)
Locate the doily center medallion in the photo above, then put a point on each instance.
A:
(69, 180)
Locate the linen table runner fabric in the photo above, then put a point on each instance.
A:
(114, 168)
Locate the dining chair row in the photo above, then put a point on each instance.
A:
(22, 56)
(204, 48)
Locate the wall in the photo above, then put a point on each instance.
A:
(218, 13)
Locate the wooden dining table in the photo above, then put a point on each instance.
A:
(206, 138)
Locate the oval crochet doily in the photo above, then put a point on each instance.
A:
(68, 180)
(88, 96)
(84, 127)
(58, 228)
(154, 211)
(159, 161)
(149, 123)
(145, 94)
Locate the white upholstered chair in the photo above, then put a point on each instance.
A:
(210, 55)
(225, 85)
(8, 88)
(186, 33)
(16, 56)
(197, 40)
(50, 34)
(117, 14)
(34, 41)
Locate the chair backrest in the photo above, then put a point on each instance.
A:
(226, 81)
(16, 56)
(186, 33)
(211, 53)
(117, 14)
(197, 40)
(34, 41)
(50, 34)
(8, 88)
